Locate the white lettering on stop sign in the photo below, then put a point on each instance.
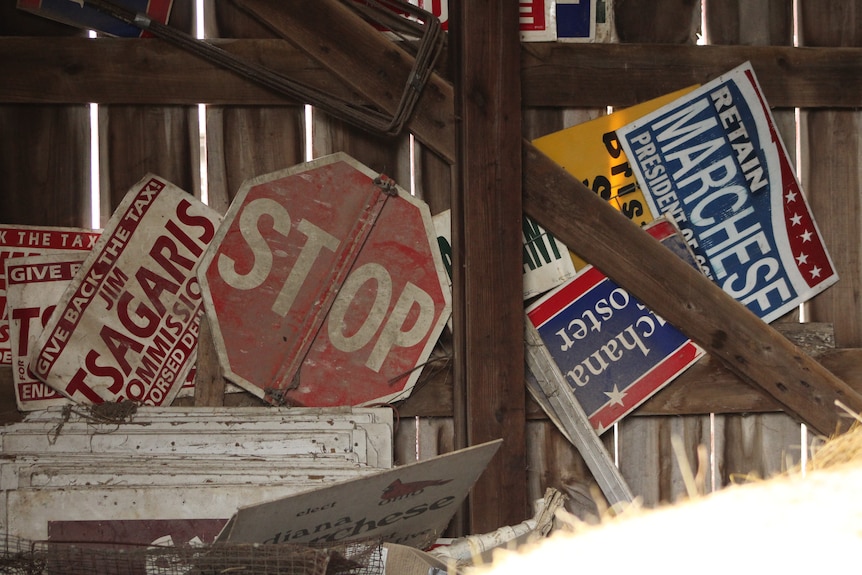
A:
(396, 332)
(324, 286)
(262, 265)
(393, 330)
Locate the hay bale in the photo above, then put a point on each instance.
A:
(788, 524)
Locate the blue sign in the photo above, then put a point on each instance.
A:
(612, 350)
(713, 161)
(87, 18)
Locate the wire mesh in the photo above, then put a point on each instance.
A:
(22, 557)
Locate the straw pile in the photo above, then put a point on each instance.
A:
(844, 449)
(794, 523)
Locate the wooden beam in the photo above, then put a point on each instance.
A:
(150, 71)
(706, 387)
(489, 343)
(487, 258)
(709, 387)
(555, 74)
(728, 331)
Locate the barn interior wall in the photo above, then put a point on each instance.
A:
(46, 160)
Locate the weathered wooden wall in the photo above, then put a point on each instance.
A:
(46, 161)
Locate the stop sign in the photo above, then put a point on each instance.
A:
(324, 286)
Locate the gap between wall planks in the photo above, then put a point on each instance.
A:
(46, 177)
(762, 444)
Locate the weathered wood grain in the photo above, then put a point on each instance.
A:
(756, 443)
(832, 172)
(128, 71)
(487, 258)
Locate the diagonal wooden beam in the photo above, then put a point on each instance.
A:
(726, 329)
(699, 308)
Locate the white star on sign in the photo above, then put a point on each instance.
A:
(796, 219)
(815, 272)
(802, 259)
(616, 396)
(806, 236)
(790, 197)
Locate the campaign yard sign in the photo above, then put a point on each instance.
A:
(34, 285)
(410, 505)
(613, 351)
(714, 161)
(18, 241)
(126, 327)
(576, 20)
(75, 13)
(536, 21)
(591, 152)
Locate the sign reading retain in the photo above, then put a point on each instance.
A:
(714, 161)
(324, 286)
(126, 327)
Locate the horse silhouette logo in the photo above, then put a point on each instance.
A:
(399, 490)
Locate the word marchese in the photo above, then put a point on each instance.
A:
(701, 167)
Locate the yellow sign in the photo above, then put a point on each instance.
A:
(592, 153)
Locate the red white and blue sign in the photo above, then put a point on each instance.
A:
(536, 20)
(324, 286)
(74, 13)
(613, 351)
(714, 161)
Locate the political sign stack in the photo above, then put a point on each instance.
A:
(709, 161)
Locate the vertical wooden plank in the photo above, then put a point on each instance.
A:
(247, 141)
(135, 140)
(654, 467)
(832, 172)
(646, 455)
(553, 462)
(433, 178)
(45, 163)
(757, 445)
(386, 155)
(46, 149)
(757, 23)
(660, 21)
(487, 259)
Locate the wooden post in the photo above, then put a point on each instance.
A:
(487, 260)
(487, 242)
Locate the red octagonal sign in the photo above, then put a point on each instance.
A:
(324, 286)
